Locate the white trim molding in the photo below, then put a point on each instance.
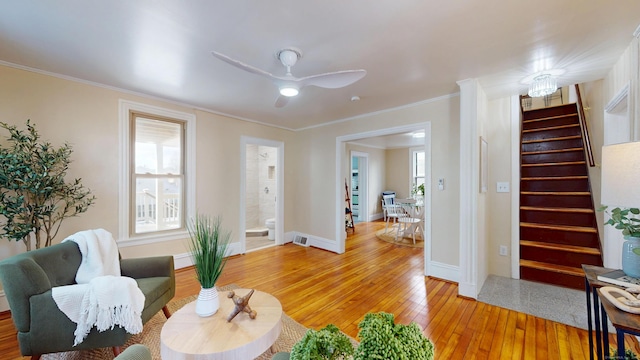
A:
(469, 182)
(125, 107)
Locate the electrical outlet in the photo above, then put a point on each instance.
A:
(503, 250)
(441, 184)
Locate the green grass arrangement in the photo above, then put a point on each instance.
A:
(328, 343)
(208, 246)
(381, 338)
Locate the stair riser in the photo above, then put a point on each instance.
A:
(556, 201)
(558, 218)
(550, 134)
(554, 185)
(550, 112)
(567, 120)
(548, 277)
(552, 145)
(560, 237)
(553, 157)
(558, 257)
(554, 170)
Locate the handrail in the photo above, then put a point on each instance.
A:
(584, 129)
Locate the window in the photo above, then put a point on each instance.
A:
(157, 188)
(417, 169)
(157, 174)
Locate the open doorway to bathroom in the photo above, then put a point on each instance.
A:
(261, 189)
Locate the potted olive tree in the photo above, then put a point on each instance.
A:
(208, 246)
(35, 196)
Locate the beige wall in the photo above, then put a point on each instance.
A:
(87, 117)
(498, 205)
(398, 172)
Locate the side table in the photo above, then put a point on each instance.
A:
(624, 323)
(592, 284)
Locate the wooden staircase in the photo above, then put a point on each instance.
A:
(558, 231)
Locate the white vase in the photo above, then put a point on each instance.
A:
(208, 302)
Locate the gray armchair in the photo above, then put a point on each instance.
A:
(27, 280)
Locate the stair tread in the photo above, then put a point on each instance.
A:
(562, 247)
(584, 229)
(553, 151)
(550, 128)
(556, 193)
(552, 139)
(550, 117)
(546, 178)
(557, 209)
(555, 163)
(553, 267)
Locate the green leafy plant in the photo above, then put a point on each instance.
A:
(624, 219)
(418, 189)
(381, 338)
(328, 343)
(34, 196)
(208, 246)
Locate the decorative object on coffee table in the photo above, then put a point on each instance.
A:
(186, 335)
(242, 304)
(208, 247)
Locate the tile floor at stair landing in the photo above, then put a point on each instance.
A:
(567, 306)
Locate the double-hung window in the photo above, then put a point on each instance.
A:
(157, 174)
(157, 184)
(417, 168)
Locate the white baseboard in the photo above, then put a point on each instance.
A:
(374, 217)
(444, 271)
(315, 241)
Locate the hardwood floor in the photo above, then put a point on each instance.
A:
(317, 287)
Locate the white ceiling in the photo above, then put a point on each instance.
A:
(412, 50)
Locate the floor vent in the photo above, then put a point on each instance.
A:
(300, 240)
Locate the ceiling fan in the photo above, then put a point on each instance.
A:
(290, 85)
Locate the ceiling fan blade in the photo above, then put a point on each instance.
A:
(241, 65)
(333, 80)
(281, 101)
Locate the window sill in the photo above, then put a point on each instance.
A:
(153, 238)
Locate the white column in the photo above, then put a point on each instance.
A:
(469, 182)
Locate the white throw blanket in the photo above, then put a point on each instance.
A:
(99, 254)
(102, 297)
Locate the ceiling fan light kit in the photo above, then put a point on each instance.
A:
(289, 91)
(290, 85)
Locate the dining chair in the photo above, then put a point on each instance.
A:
(394, 211)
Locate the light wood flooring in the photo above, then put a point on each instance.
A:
(317, 287)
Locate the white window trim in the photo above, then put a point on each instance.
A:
(124, 238)
(412, 161)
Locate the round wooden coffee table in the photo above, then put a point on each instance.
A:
(186, 335)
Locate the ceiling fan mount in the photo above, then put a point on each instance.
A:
(289, 57)
(290, 85)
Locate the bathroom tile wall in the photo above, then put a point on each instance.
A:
(260, 185)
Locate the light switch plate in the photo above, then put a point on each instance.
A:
(502, 187)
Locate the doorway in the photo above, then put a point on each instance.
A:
(343, 164)
(261, 210)
(359, 180)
